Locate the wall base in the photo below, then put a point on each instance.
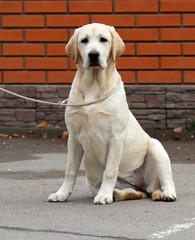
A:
(154, 106)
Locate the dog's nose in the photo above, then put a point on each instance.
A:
(93, 55)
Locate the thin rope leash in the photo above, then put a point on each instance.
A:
(64, 103)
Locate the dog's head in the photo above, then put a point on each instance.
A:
(94, 45)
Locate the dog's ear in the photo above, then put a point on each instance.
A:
(72, 46)
(118, 46)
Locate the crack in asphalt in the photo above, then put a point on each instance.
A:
(70, 233)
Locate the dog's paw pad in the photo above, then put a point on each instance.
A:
(168, 196)
(103, 199)
(57, 197)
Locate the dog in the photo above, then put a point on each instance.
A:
(115, 149)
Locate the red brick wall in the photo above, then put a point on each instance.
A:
(159, 37)
(160, 57)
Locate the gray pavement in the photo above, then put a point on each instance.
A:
(30, 169)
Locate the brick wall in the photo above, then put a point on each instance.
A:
(159, 36)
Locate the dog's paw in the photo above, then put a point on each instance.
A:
(102, 199)
(168, 196)
(58, 197)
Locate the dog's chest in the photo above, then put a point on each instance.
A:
(88, 121)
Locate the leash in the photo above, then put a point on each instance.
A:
(64, 103)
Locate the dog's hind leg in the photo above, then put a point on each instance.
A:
(158, 174)
(128, 194)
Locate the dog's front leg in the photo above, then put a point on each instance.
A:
(75, 154)
(105, 194)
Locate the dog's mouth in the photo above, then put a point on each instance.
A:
(94, 64)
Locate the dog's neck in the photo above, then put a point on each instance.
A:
(94, 83)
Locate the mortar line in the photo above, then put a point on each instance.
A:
(68, 7)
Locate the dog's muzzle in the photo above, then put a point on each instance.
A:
(94, 59)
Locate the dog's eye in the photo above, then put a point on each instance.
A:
(103, 40)
(85, 40)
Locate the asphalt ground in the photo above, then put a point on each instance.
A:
(33, 167)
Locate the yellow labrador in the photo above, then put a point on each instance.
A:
(105, 134)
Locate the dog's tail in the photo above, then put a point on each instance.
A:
(128, 191)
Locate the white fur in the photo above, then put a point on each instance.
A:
(106, 135)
